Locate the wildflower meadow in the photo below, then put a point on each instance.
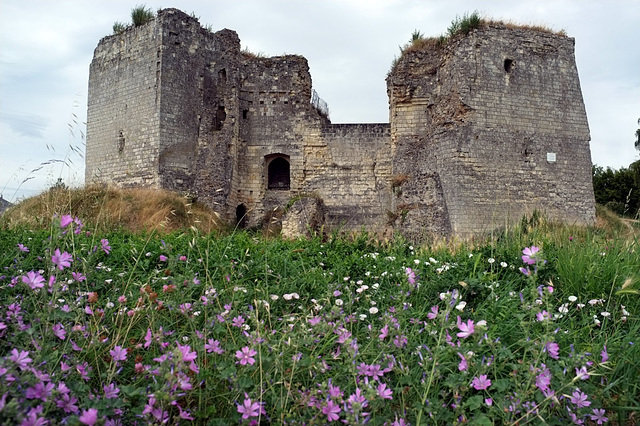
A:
(532, 326)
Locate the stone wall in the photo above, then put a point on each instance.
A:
(499, 120)
(123, 117)
(483, 129)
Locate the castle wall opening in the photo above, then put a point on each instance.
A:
(279, 172)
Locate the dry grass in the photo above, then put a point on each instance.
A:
(533, 27)
(107, 208)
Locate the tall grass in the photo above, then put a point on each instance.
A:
(105, 325)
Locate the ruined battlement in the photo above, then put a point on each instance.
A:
(482, 130)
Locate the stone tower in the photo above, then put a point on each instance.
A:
(483, 129)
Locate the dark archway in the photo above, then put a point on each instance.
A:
(241, 216)
(279, 173)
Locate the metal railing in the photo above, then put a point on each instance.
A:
(319, 104)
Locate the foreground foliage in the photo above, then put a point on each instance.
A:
(125, 328)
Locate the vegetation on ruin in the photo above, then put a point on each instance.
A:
(461, 25)
(140, 15)
(103, 325)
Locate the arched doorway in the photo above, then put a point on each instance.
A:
(241, 216)
(279, 172)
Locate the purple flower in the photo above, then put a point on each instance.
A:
(598, 416)
(553, 349)
(33, 280)
(481, 383)
(411, 275)
(463, 362)
(434, 312)
(542, 316)
(110, 391)
(384, 392)
(604, 355)
(65, 220)
(105, 245)
(58, 330)
(245, 356)
(543, 380)
(78, 276)
(526, 271)
(530, 255)
(40, 391)
(21, 358)
(249, 408)
(582, 373)
(580, 399)
(187, 354)
(384, 332)
(62, 260)
(331, 410)
(67, 403)
(213, 346)
(23, 248)
(118, 353)
(238, 321)
(334, 391)
(163, 258)
(89, 417)
(466, 329)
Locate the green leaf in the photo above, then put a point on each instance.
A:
(474, 402)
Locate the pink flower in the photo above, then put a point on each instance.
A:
(78, 276)
(542, 316)
(384, 332)
(187, 354)
(249, 408)
(331, 410)
(411, 275)
(23, 248)
(163, 258)
(530, 255)
(21, 358)
(62, 260)
(33, 280)
(122, 299)
(89, 417)
(384, 392)
(245, 356)
(59, 332)
(553, 350)
(463, 362)
(580, 399)
(105, 245)
(481, 383)
(213, 346)
(598, 416)
(65, 220)
(434, 312)
(118, 353)
(466, 329)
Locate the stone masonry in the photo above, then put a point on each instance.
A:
(483, 129)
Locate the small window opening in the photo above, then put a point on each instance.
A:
(121, 142)
(222, 75)
(508, 65)
(279, 174)
(221, 115)
(241, 215)
(245, 113)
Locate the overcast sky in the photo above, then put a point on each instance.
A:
(46, 48)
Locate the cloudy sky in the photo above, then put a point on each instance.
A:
(46, 48)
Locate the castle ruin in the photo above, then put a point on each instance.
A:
(482, 130)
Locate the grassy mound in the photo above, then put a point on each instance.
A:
(107, 208)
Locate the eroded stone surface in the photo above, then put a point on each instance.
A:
(474, 127)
